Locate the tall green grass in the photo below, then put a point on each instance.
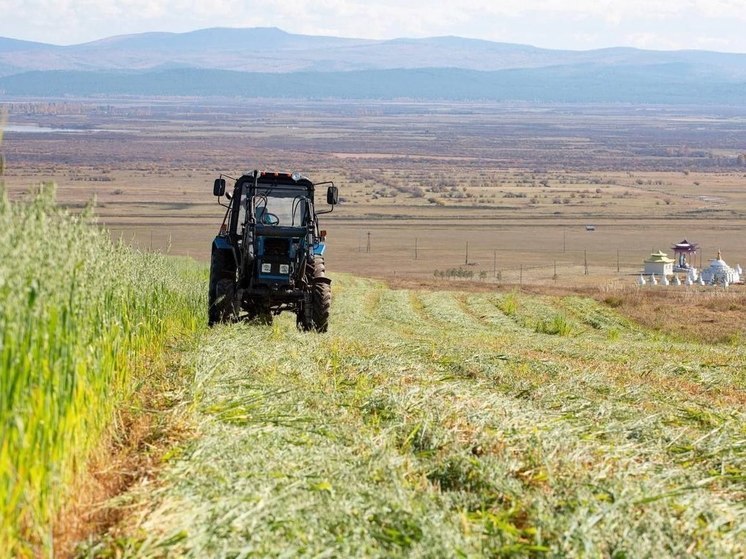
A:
(76, 312)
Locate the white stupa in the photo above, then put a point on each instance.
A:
(641, 280)
(653, 281)
(718, 272)
(676, 280)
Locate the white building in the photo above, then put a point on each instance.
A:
(718, 272)
(659, 264)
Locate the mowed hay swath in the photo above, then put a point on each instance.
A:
(76, 313)
(447, 424)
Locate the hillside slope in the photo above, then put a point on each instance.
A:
(441, 424)
(263, 49)
(269, 62)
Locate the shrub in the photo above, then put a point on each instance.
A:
(556, 326)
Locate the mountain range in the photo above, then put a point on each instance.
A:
(430, 68)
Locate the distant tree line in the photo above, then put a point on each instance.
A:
(673, 84)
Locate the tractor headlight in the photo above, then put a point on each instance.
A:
(284, 269)
(266, 268)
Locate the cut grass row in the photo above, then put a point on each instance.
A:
(80, 317)
(437, 424)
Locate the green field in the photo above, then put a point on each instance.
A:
(447, 424)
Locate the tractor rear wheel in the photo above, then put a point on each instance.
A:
(225, 292)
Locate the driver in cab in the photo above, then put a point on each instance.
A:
(264, 217)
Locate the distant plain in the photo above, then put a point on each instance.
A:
(504, 190)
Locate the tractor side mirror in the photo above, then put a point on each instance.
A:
(218, 189)
(332, 195)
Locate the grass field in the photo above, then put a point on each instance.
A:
(428, 422)
(446, 424)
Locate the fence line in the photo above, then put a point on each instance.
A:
(467, 259)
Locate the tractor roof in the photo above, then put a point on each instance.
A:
(285, 179)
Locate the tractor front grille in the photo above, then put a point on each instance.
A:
(276, 247)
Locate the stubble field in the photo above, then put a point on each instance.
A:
(451, 424)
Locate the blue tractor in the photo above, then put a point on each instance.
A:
(269, 254)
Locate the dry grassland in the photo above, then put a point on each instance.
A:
(518, 183)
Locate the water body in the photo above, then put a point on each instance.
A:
(34, 129)
(31, 128)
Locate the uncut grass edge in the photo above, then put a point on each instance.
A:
(142, 434)
(81, 318)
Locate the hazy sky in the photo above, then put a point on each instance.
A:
(572, 24)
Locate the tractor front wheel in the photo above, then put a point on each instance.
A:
(221, 290)
(322, 303)
(321, 296)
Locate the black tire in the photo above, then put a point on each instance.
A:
(213, 315)
(322, 303)
(224, 294)
(321, 299)
(221, 289)
(317, 267)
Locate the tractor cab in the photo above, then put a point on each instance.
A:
(271, 204)
(272, 218)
